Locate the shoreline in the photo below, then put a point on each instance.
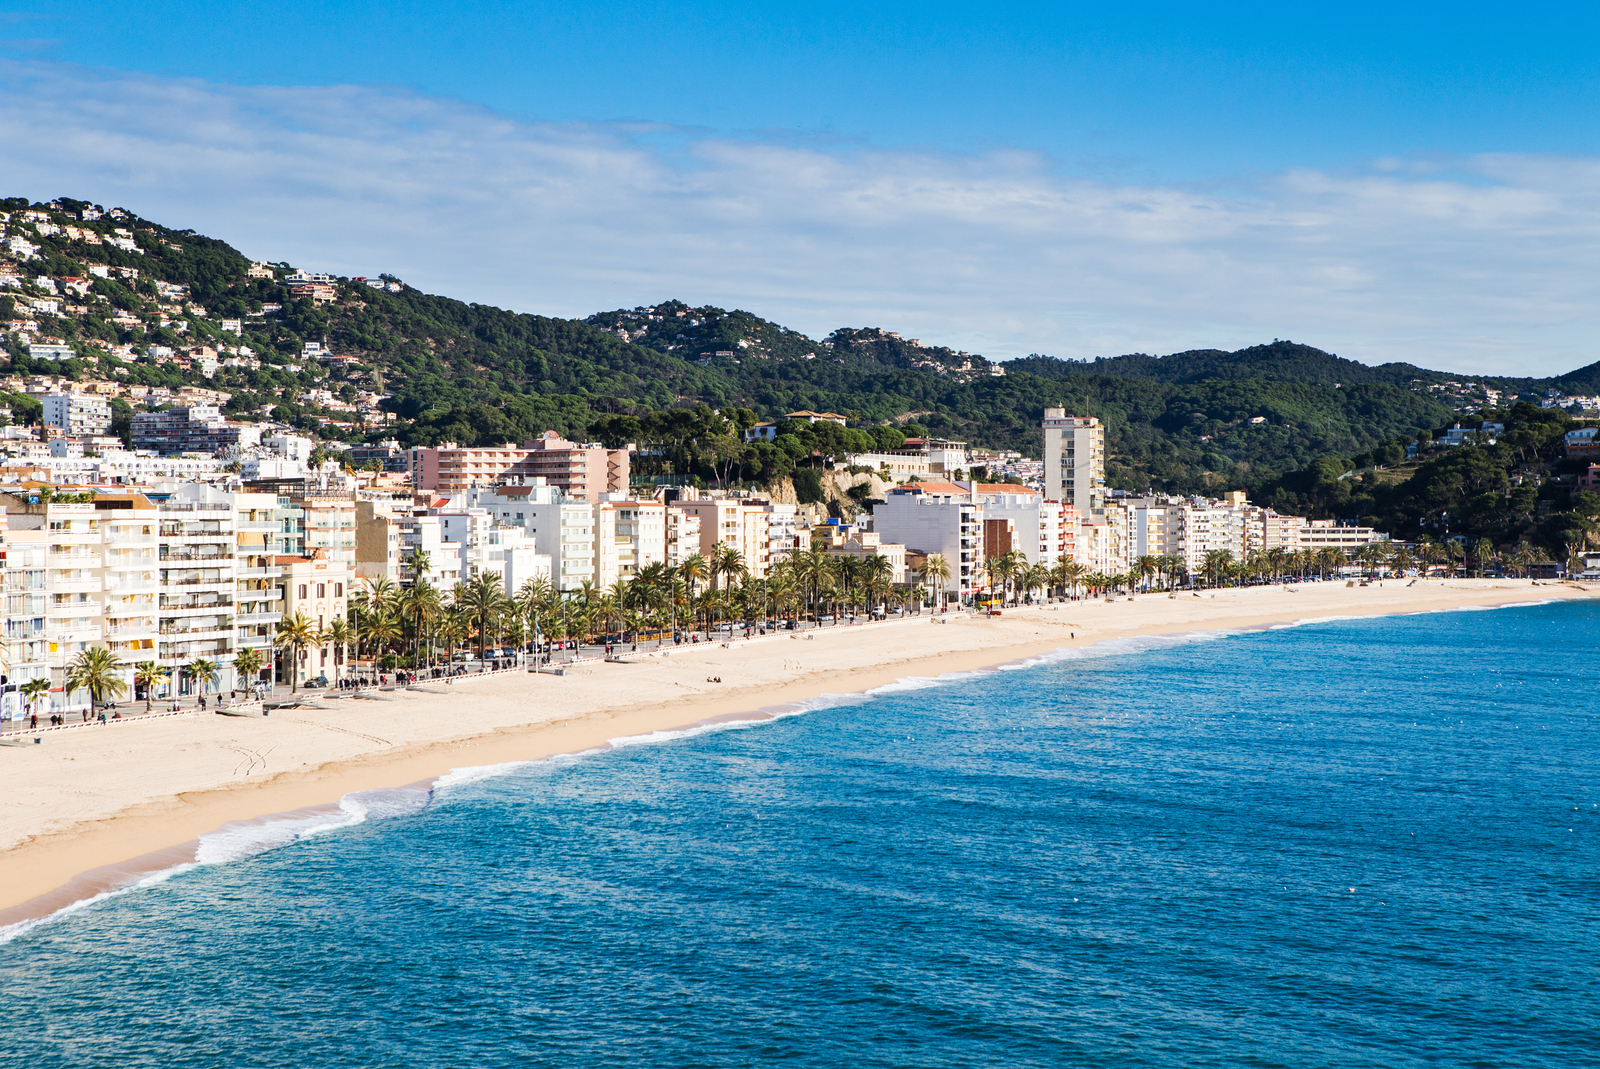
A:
(68, 865)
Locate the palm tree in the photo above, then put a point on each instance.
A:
(936, 568)
(1218, 563)
(33, 690)
(202, 672)
(481, 600)
(149, 675)
(421, 562)
(693, 569)
(297, 633)
(1036, 577)
(421, 602)
(247, 663)
(1483, 553)
(380, 592)
(338, 635)
(1072, 572)
(383, 627)
(97, 669)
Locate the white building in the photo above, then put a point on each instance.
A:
(937, 518)
(579, 536)
(1074, 459)
(198, 569)
(77, 413)
(1044, 532)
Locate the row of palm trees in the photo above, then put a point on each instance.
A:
(100, 672)
(421, 623)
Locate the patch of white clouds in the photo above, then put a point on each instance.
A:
(1484, 264)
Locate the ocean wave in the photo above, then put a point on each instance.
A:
(244, 839)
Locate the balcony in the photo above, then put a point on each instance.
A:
(258, 573)
(131, 540)
(196, 536)
(192, 555)
(75, 586)
(198, 631)
(185, 605)
(123, 634)
(258, 617)
(131, 586)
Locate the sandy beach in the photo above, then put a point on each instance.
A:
(90, 808)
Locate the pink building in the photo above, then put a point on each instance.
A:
(585, 471)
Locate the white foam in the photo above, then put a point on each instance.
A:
(245, 839)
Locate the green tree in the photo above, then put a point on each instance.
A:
(297, 634)
(149, 675)
(97, 670)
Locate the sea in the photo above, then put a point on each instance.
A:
(1350, 842)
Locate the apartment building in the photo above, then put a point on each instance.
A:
(422, 538)
(194, 428)
(77, 413)
(582, 471)
(452, 469)
(42, 631)
(199, 540)
(740, 523)
(320, 589)
(484, 545)
(641, 535)
(1328, 534)
(265, 533)
(130, 532)
(586, 471)
(682, 535)
(578, 536)
(326, 524)
(1074, 460)
(936, 517)
(379, 538)
(1044, 532)
(787, 533)
(22, 573)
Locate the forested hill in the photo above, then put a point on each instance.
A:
(453, 370)
(1281, 361)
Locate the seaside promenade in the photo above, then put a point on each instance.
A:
(102, 797)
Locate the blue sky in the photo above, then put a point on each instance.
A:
(1081, 180)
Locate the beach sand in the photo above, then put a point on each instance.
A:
(92, 808)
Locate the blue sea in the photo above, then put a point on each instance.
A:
(1369, 842)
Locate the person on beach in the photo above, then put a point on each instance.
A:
(33, 721)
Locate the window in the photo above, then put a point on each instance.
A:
(302, 591)
(322, 592)
(338, 590)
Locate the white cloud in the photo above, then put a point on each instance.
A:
(1484, 264)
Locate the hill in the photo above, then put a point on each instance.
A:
(356, 359)
(1281, 361)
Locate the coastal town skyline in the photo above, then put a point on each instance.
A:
(743, 534)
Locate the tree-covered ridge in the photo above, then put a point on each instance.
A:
(1520, 488)
(1281, 361)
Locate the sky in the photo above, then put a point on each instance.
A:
(1077, 180)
